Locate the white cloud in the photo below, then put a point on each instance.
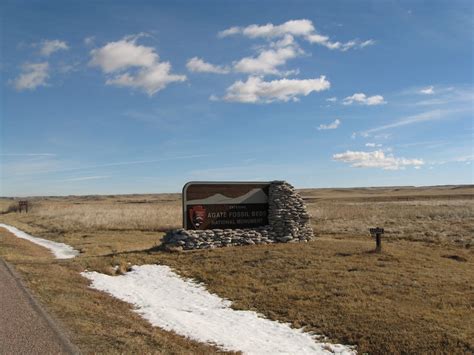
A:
(465, 158)
(299, 28)
(332, 125)
(363, 99)
(86, 178)
(88, 41)
(331, 99)
(427, 91)
(229, 32)
(267, 61)
(123, 54)
(353, 44)
(32, 76)
(421, 117)
(255, 90)
(198, 65)
(48, 47)
(372, 145)
(293, 27)
(128, 64)
(151, 79)
(376, 159)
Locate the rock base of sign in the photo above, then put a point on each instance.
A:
(287, 217)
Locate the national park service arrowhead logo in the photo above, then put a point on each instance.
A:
(197, 215)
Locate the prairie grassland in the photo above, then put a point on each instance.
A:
(435, 215)
(415, 297)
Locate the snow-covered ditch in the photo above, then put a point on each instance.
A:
(170, 302)
(60, 250)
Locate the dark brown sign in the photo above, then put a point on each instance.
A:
(221, 205)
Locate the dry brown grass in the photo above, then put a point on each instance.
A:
(95, 322)
(436, 221)
(416, 297)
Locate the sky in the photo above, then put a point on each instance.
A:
(116, 97)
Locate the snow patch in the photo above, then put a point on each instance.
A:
(170, 302)
(60, 250)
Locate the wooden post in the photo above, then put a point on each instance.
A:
(22, 205)
(377, 232)
(378, 243)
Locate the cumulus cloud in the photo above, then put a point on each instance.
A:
(32, 76)
(123, 54)
(363, 99)
(128, 64)
(376, 159)
(427, 91)
(150, 79)
(198, 65)
(332, 125)
(48, 47)
(299, 28)
(255, 90)
(269, 57)
(267, 61)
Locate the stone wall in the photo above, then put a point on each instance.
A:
(287, 217)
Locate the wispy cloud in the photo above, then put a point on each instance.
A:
(32, 76)
(27, 154)
(332, 125)
(413, 119)
(373, 145)
(198, 65)
(302, 28)
(54, 166)
(86, 178)
(428, 90)
(376, 159)
(49, 47)
(363, 99)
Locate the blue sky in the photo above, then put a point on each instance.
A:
(103, 97)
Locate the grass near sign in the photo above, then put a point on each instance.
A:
(221, 205)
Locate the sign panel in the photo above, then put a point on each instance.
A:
(376, 231)
(221, 205)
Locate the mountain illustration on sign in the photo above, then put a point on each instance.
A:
(253, 196)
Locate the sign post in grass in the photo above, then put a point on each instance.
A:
(377, 232)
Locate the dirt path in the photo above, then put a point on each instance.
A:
(25, 328)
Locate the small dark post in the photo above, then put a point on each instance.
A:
(377, 232)
(23, 205)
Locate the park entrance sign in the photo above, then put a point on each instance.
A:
(225, 205)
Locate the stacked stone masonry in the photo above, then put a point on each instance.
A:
(287, 217)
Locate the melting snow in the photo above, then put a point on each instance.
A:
(60, 250)
(187, 308)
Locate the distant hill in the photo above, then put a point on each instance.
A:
(253, 196)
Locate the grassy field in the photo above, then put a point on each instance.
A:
(417, 296)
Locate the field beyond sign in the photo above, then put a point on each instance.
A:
(416, 296)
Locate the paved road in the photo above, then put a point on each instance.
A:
(25, 328)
